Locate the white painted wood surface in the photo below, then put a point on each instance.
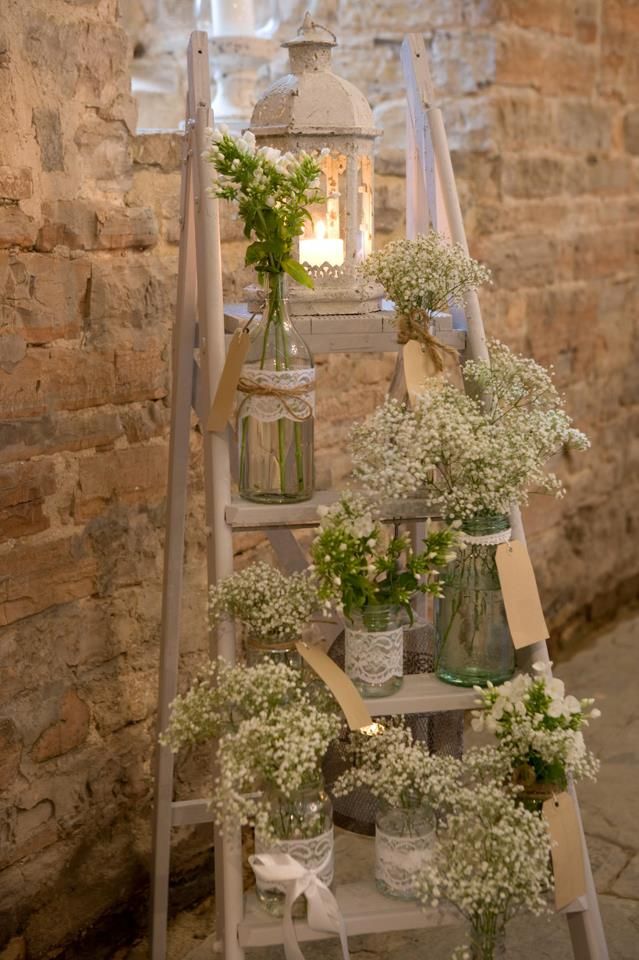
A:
(364, 908)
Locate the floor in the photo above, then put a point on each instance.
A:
(607, 670)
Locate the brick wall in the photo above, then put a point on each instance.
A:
(542, 104)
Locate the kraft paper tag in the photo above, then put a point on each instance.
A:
(341, 686)
(417, 368)
(222, 408)
(561, 816)
(521, 596)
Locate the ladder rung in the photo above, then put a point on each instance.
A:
(245, 515)
(185, 812)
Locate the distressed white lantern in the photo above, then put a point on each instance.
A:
(313, 109)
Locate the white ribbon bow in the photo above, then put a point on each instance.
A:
(323, 912)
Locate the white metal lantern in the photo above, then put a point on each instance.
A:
(313, 109)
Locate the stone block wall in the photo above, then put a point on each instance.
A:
(542, 107)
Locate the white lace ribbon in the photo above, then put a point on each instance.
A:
(374, 657)
(399, 859)
(488, 539)
(292, 397)
(323, 911)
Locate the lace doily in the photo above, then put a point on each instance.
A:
(292, 397)
(314, 853)
(374, 657)
(399, 859)
(488, 539)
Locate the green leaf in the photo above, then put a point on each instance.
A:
(297, 272)
(256, 251)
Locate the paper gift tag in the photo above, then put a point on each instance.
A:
(341, 686)
(417, 367)
(561, 816)
(222, 408)
(521, 596)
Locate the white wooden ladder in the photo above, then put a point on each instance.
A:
(200, 330)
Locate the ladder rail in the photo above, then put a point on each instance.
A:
(430, 141)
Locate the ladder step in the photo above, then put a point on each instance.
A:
(423, 693)
(185, 812)
(245, 515)
(364, 908)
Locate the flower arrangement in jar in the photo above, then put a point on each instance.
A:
(371, 577)
(422, 277)
(473, 456)
(273, 191)
(272, 607)
(409, 784)
(539, 728)
(272, 731)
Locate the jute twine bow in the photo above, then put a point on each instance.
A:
(414, 326)
(283, 394)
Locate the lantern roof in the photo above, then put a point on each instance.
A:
(311, 99)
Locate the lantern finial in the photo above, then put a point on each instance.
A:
(312, 33)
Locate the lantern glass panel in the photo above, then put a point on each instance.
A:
(365, 208)
(323, 240)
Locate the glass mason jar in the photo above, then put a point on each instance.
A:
(472, 635)
(488, 941)
(276, 396)
(404, 843)
(374, 650)
(302, 824)
(258, 649)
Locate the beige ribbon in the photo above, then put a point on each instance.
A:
(414, 326)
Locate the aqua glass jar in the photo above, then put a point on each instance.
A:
(276, 407)
(473, 642)
(374, 649)
(300, 824)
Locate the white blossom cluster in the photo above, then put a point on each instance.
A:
(538, 727)
(272, 729)
(225, 695)
(271, 605)
(400, 771)
(427, 273)
(279, 751)
(273, 173)
(492, 860)
(470, 455)
(357, 565)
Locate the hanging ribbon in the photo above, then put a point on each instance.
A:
(414, 326)
(323, 912)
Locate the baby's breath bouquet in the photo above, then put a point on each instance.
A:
(276, 398)
(272, 607)
(272, 732)
(356, 565)
(424, 276)
(410, 785)
(473, 456)
(538, 727)
(491, 862)
(470, 455)
(399, 770)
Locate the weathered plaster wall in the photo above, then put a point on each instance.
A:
(542, 105)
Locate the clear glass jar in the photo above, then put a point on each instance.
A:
(374, 650)
(488, 942)
(473, 640)
(258, 649)
(302, 824)
(404, 844)
(276, 408)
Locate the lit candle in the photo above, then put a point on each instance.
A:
(320, 249)
(233, 18)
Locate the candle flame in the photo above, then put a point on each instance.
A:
(320, 230)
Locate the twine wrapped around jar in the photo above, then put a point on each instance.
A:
(414, 326)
